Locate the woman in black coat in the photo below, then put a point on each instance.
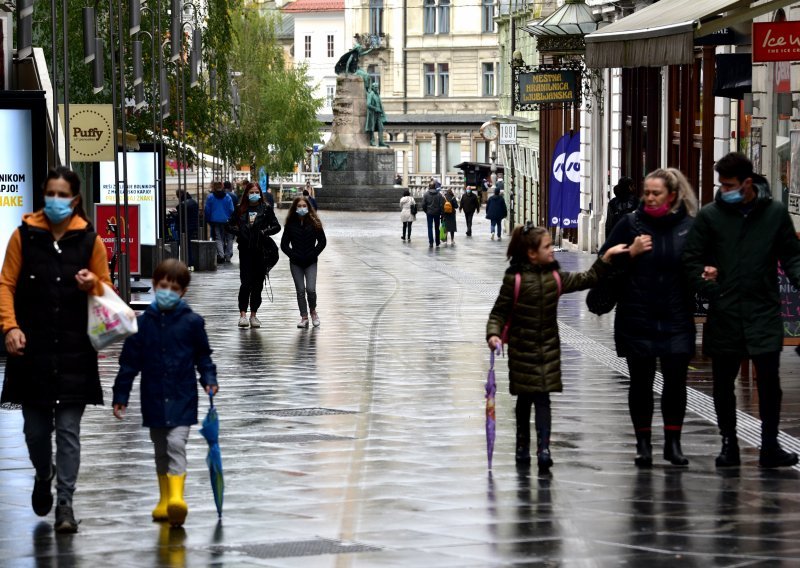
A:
(253, 222)
(303, 240)
(655, 310)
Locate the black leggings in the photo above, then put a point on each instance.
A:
(673, 395)
(407, 225)
(541, 400)
(725, 370)
(251, 276)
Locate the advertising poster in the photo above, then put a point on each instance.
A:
(794, 173)
(555, 204)
(141, 191)
(571, 185)
(16, 172)
(105, 217)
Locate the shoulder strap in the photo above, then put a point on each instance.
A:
(517, 285)
(557, 276)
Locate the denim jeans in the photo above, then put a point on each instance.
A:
(497, 226)
(65, 419)
(223, 239)
(433, 228)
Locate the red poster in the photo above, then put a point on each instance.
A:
(105, 218)
(776, 41)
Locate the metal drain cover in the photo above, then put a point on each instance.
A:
(294, 548)
(305, 412)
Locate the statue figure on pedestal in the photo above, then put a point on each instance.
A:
(375, 116)
(348, 63)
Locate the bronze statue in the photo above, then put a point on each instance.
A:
(375, 116)
(348, 63)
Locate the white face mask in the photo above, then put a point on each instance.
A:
(302, 211)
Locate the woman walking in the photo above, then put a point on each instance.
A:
(449, 209)
(406, 215)
(252, 223)
(655, 311)
(303, 240)
(54, 261)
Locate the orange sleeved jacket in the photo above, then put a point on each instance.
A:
(12, 266)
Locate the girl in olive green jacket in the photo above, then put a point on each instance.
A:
(530, 290)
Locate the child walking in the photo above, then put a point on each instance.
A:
(530, 291)
(171, 342)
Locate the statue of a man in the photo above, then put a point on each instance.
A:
(375, 116)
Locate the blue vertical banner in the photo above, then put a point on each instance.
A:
(571, 185)
(555, 202)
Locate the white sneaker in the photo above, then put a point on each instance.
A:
(315, 319)
(254, 321)
(243, 322)
(303, 322)
(492, 236)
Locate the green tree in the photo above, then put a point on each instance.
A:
(278, 114)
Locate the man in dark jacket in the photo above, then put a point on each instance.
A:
(496, 211)
(432, 204)
(469, 205)
(187, 214)
(624, 202)
(229, 190)
(731, 257)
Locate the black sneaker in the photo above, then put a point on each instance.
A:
(65, 520)
(776, 457)
(42, 497)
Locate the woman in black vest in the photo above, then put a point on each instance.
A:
(655, 311)
(53, 262)
(252, 223)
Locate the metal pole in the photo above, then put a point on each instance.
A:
(55, 80)
(182, 116)
(117, 235)
(162, 188)
(124, 257)
(65, 31)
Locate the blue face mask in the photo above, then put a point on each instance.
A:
(56, 209)
(733, 196)
(254, 198)
(302, 211)
(167, 299)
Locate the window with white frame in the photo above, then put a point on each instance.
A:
(429, 16)
(330, 45)
(443, 72)
(487, 81)
(330, 94)
(429, 79)
(375, 17)
(487, 16)
(374, 74)
(307, 46)
(444, 16)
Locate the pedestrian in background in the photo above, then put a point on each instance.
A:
(496, 211)
(218, 210)
(187, 212)
(449, 209)
(731, 257)
(311, 201)
(470, 203)
(534, 350)
(171, 343)
(624, 202)
(268, 196)
(406, 215)
(654, 318)
(230, 191)
(303, 241)
(253, 223)
(53, 262)
(432, 206)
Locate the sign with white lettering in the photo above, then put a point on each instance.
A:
(508, 133)
(776, 41)
(141, 190)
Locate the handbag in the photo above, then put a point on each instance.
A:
(414, 208)
(110, 319)
(603, 297)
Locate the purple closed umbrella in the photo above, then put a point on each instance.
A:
(491, 420)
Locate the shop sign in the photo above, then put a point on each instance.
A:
(547, 87)
(776, 41)
(91, 133)
(106, 223)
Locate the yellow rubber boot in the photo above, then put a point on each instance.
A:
(176, 506)
(160, 512)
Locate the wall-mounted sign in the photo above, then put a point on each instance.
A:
(91, 132)
(776, 41)
(546, 87)
(508, 133)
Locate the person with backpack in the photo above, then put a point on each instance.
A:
(496, 211)
(303, 241)
(253, 223)
(470, 203)
(449, 209)
(624, 202)
(432, 206)
(408, 212)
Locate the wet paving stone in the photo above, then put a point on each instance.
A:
(361, 442)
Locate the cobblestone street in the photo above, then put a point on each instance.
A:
(361, 442)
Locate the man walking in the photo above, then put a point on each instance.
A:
(731, 257)
(218, 209)
(469, 205)
(432, 204)
(187, 213)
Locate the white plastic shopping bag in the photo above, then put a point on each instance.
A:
(110, 319)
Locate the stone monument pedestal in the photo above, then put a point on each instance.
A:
(355, 175)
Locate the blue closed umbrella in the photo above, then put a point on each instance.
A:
(210, 432)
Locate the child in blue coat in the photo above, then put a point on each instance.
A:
(171, 343)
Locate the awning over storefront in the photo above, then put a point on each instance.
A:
(663, 33)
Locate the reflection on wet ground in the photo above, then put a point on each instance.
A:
(361, 443)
